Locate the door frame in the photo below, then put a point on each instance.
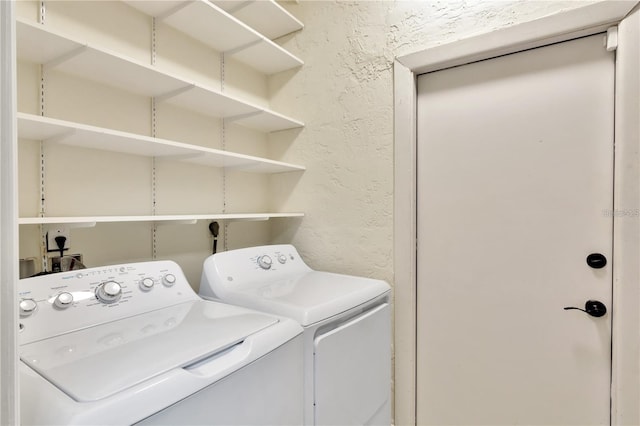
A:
(9, 386)
(586, 20)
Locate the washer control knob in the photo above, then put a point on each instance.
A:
(265, 262)
(146, 284)
(109, 292)
(63, 300)
(169, 280)
(282, 258)
(27, 307)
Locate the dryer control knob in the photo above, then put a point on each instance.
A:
(146, 284)
(63, 300)
(265, 262)
(282, 259)
(27, 307)
(109, 292)
(169, 280)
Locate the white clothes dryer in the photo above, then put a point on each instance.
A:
(346, 320)
(134, 344)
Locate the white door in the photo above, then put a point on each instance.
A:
(515, 191)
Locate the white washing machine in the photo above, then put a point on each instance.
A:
(346, 320)
(134, 343)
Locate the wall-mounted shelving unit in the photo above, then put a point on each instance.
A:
(54, 50)
(208, 23)
(166, 183)
(265, 16)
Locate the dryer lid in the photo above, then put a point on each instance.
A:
(308, 297)
(100, 361)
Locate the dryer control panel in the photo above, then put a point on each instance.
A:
(247, 266)
(54, 304)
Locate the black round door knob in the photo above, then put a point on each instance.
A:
(596, 260)
(594, 308)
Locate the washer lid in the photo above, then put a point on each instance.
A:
(100, 361)
(309, 297)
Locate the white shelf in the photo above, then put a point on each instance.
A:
(92, 220)
(56, 51)
(58, 131)
(216, 28)
(265, 16)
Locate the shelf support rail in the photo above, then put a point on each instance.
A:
(154, 122)
(153, 41)
(43, 232)
(223, 143)
(43, 12)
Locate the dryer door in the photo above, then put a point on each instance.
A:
(352, 371)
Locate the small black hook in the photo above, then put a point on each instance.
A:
(214, 228)
(592, 307)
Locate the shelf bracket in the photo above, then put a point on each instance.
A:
(175, 222)
(243, 47)
(82, 225)
(171, 11)
(178, 157)
(249, 219)
(75, 224)
(240, 5)
(59, 137)
(173, 93)
(64, 58)
(233, 118)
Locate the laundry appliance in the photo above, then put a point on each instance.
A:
(346, 320)
(134, 344)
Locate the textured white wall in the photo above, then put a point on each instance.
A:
(344, 94)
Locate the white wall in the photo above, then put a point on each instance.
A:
(344, 94)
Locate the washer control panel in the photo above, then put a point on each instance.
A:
(54, 304)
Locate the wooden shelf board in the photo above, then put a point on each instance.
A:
(269, 121)
(65, 132)
(265, 16)
(80, 220)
